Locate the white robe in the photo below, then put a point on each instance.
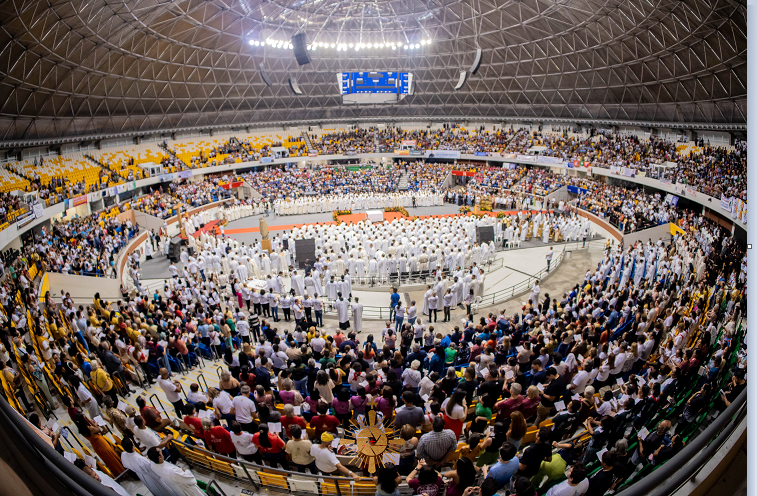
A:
(298, 285)
(357, 316)
(182, 482)
(143, 468)
(424, 308)
(341, 310)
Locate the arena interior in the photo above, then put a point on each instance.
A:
(373, 247)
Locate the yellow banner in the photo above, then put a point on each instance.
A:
(675, 229)
(44, 287)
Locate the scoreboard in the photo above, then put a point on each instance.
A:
(374, 87)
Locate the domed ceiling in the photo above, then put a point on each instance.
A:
(79, 68)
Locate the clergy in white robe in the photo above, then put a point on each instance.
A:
(182, 482)
(424, 308)
(342, 312)
(142, 467)
(298, 284)
(357, 315)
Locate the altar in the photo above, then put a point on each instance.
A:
(258, 284)
(375, 215)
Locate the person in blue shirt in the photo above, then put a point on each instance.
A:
(505, 468)
(612, 320)
(456, 336)
(436, 363)
(394, 299)
(445, 341)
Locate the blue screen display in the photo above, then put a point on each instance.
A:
(374, 82)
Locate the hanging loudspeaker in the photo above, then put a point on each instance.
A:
(477, 62)
(300, 47)
(264, 75)
(294, 86)
(462, 80)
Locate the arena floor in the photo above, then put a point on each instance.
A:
(516, 265)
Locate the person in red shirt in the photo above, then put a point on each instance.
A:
(219, 438)
(152, 416)
(194, 422)
(289, 419)
(271, 447)
(323, 422)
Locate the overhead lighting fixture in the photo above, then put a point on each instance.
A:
(351, 45)
(333, 45)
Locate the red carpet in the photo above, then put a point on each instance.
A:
(209, 227)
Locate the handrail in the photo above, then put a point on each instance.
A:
(372, 312)
(218, 487)
(693, 456)
(201, 377)
(255, 466)
(159, 403)
(42, 457)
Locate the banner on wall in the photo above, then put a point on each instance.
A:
(39, 210)
(578, 191)
(80, 200)
(313, 154)
(463, 173)
(25, 219)
(551, 160)
(166, 178)
(417, 153)
(628, 172)
(481, 154)
(738, 209)
(401, 152)
(443, 154)
(184, 174)
(235, 184)
(509, 155)
(266, 160)
(408, 142)
(527, 158)
(725, 202)
(93, 197)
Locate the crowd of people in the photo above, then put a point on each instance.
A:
(293, 182)
(157, 204)
(497, 401)
(85, 246)
(635, 356)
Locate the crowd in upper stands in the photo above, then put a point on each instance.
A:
(294, 182)
(158, 204)
(83, 245)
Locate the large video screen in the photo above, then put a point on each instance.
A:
(374, 87)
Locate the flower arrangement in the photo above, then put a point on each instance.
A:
(464, 210)
(485, 208)
(336, 213)
(501, 215)
(401, 210)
